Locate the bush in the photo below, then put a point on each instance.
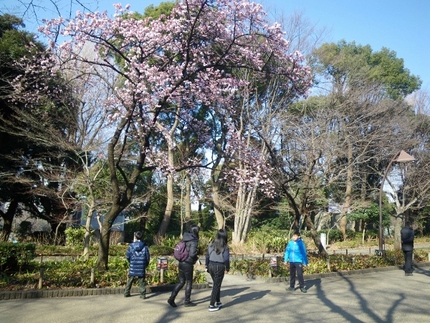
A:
(269, 241)
(258, 267)
(335, 235)
(319, 264)
(156, 251)
(75, 236)
(14, 256)
(77, 273)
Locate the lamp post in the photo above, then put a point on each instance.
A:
(400, 157)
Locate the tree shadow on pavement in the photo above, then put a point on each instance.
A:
(315, 283)
(421, 271)
(247, 298)
(233, 291)
(361, 300)
(224, 292)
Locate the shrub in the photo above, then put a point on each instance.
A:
(258, 267)
(156, 251)
(269, 241)
(75, 236)
(14, 256)
(333, 235)
(319, 264)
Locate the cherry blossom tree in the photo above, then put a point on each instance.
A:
(165, 69)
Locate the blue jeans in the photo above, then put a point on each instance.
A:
(296, 267)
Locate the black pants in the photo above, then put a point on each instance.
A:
(216, 270)
(185, 276)
(408, 260)
(296, 267)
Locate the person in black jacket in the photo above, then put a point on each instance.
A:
(407, 236)
(186, 268)
(138, 258)
(217, 264)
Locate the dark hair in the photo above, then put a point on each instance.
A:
(220, 241)
(195, 231)
(138, 235)
(297, 233)
(408, 223)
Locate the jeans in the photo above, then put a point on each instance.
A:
(185, 276)
(408, 260)
(142, 287)
(216, 270)
(296, 267)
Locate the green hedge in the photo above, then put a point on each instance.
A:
(319, 264)
(14, 256)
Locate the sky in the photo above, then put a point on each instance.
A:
(402, 26)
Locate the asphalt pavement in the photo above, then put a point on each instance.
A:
(385, 295)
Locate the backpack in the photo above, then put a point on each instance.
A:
(180, 252)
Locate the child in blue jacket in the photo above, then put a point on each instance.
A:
(295, 254)
(138, 258)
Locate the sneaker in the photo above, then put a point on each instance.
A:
(303, 290)
(126, 295)
(190, 304)
(290, 289)
(143, 296)
(171, 302)
(218, 304)
(213, 308)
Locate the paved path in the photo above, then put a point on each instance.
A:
(382, 296)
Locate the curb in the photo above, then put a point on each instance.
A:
(27, 294)
(337, 273)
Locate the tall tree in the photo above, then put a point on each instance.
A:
(169, 67)
(263, 105)
(360, 82)
(31, 165)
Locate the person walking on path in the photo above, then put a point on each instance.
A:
(407, 236)
(138, 258)
(186, 268)
(295, 254)
(217, 264)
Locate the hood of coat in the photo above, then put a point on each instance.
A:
(137, 245)
(188, 237)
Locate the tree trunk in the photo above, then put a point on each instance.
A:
(398, 221)
(167, 212)
(87, 236)
(102, 261)
(8, 220)
(187, 197)
(315, 236)
(348, 191)
(216, 199)
(244, 207)
(169, 206)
